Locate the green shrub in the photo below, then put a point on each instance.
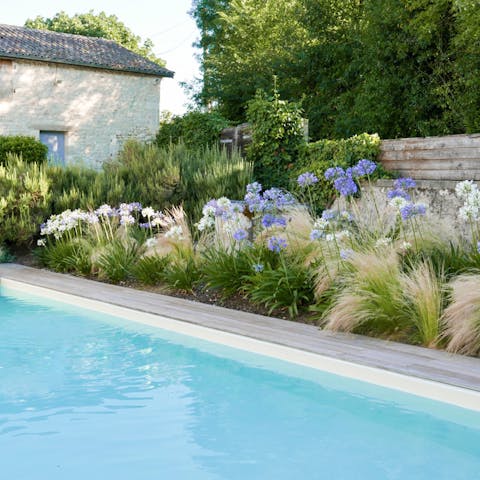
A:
(30, 149)
(5, 256)
(67, 255)
(195, 129)
(149, 270)
(277, 134)
(182, 272)
(115, 263)
(209, 173)
(24, 199)
(289, 286)
(319, 156)
(225, 270)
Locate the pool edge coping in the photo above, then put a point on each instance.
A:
(402, 381)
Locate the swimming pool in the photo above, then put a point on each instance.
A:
(88, 395)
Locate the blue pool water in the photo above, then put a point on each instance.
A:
(87, 396)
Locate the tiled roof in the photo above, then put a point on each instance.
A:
(47, 46)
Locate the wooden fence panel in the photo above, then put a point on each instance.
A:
(454, 157)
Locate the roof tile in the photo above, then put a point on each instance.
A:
(48, 46)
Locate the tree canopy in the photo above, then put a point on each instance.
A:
(97, 25)
(395, 67)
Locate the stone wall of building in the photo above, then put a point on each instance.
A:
(96, 109)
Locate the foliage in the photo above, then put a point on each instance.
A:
(149, 269)
(317, 157)
(277, 134)
(5, 256)
(196, 129)
(146, 173)
(96, 25)
(24, 199)
(30, 149)
(117, 259)
(289, 286)
(210, 173)
(396, 67)
(182, 272)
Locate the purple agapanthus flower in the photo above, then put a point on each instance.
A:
(411, 210)
(345, 186)
(276, 244)
(329, 214)
(258, 267)
(333, 173)
(240, 235)
(398, 192)
(404, 183)
(346, 254)
(254, 188)
(268, 220)
(316, 234)
(307, 179)
(364, 167)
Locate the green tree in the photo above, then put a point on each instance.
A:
(277, 134)
(97, 25)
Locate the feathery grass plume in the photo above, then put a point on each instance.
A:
(462, 317)
(372, 299)
(424, 301)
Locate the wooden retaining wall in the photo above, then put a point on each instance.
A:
(454, 157)
(236, 138)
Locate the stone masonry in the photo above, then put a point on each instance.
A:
(96, 109)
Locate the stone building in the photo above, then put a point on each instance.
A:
(81, 96)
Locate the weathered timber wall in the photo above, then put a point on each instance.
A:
(236, 138)
(454, 157)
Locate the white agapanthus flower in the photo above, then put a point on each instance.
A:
(175, 233)
(468, 212)
(150, 242)
(321, 224)
(236, 222)
(205, 223)
(465, 188)
(42, 242)
(148, 212)
(383, 242)
(224, 202)
(397, 203)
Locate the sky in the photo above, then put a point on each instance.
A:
(165, 22)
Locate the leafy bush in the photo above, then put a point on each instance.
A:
(289, 286)
(317, 157)
(149, 269)
(5, 256)
(117, 259)
(24, 199)
(30, 149)
(195, 129)
(277, 134)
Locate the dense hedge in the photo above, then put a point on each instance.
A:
(30, 149)
(316, 157)
(195, 129)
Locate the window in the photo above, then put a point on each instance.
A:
(55, 141)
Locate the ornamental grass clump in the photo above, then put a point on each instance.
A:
(462, 317)
(371, 300)
(424, 299)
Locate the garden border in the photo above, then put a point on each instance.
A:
(424, 372)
